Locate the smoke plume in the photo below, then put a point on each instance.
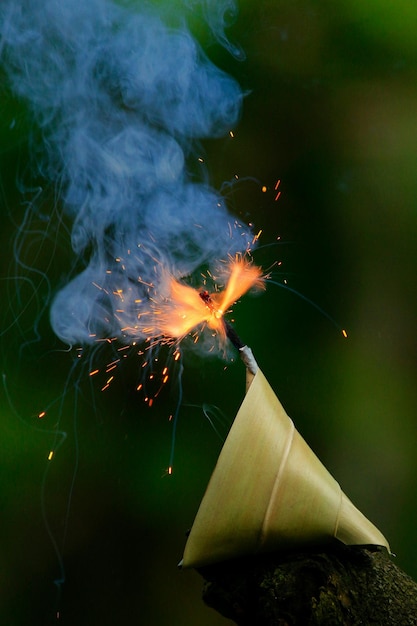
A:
(121, 98)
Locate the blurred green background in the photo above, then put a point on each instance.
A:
(331, 111)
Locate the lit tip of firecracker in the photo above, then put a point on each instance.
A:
(185, 308)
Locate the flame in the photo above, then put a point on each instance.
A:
(185, 308)
(179, 310)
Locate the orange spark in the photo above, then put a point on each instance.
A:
(256, 237)
(276, 189)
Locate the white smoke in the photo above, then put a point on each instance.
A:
(120, 98)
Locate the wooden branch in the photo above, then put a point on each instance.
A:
(341, 585)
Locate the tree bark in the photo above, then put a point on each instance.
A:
(341, 585)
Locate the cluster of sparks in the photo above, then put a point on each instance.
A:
(177, 311)
(181, 311)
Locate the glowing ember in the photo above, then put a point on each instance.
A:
(185, 308)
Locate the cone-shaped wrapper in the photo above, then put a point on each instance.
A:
(269, 491)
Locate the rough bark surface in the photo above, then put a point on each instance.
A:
(342, 585)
